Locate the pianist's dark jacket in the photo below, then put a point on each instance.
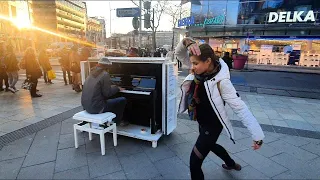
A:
(96, 90)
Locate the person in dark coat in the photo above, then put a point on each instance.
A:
(75, 59)
(33, 71)
(3, 74)
(97, 94)
(65, 65)
(12, 68)
(227, 59)
(45, 65)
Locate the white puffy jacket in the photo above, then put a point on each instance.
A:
(228, 95)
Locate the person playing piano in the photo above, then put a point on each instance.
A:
(97, 93)
(204, 94)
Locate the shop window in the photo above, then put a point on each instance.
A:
(252, 12)
(217, 8)
(232, 12)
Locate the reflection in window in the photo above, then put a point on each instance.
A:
(200, 11)
(232, 12)
(251, 12)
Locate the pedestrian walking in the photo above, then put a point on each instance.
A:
(33, 71)
(75, 68)
(65, 65)
(228, 60)
(204, 94)
(3, 73)
(85, 53)
(45, 65)
(12, 68)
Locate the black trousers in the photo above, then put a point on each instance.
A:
(4, 77)
(33, 89)
(116, 106)
(206, 142)
(65, 74)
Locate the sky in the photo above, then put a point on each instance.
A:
(121, 25)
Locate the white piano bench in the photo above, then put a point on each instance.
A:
(105, 122)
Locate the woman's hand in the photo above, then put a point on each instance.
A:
(192, 46)
(194, 49)
(256, 145)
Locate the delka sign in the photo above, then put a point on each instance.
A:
(288, 17)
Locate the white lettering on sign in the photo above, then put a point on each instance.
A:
(287, 17)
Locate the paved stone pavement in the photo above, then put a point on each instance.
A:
(20, 110)
(50, 154)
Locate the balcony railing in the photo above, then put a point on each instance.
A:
(70, 17)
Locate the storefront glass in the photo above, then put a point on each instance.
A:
(256, 12)
(251, 11)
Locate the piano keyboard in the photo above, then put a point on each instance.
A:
(135, 92)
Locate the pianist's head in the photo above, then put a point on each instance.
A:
(206, 63)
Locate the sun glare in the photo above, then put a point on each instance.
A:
(22, 23)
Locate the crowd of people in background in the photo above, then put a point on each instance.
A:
(37, 66)
(69, 60)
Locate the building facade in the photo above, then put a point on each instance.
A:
(65, 17)
(166, 38)
(124, 41)
(94, 30)
(103, 26)
(260, 27)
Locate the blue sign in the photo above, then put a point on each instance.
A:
(128, 12)
(188, 21)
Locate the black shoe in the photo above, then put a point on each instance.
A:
(50, 82)
(65, 83)
(236, 167)
(36, 95)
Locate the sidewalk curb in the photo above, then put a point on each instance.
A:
(289, 69)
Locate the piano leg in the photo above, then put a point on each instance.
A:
(154, 144)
